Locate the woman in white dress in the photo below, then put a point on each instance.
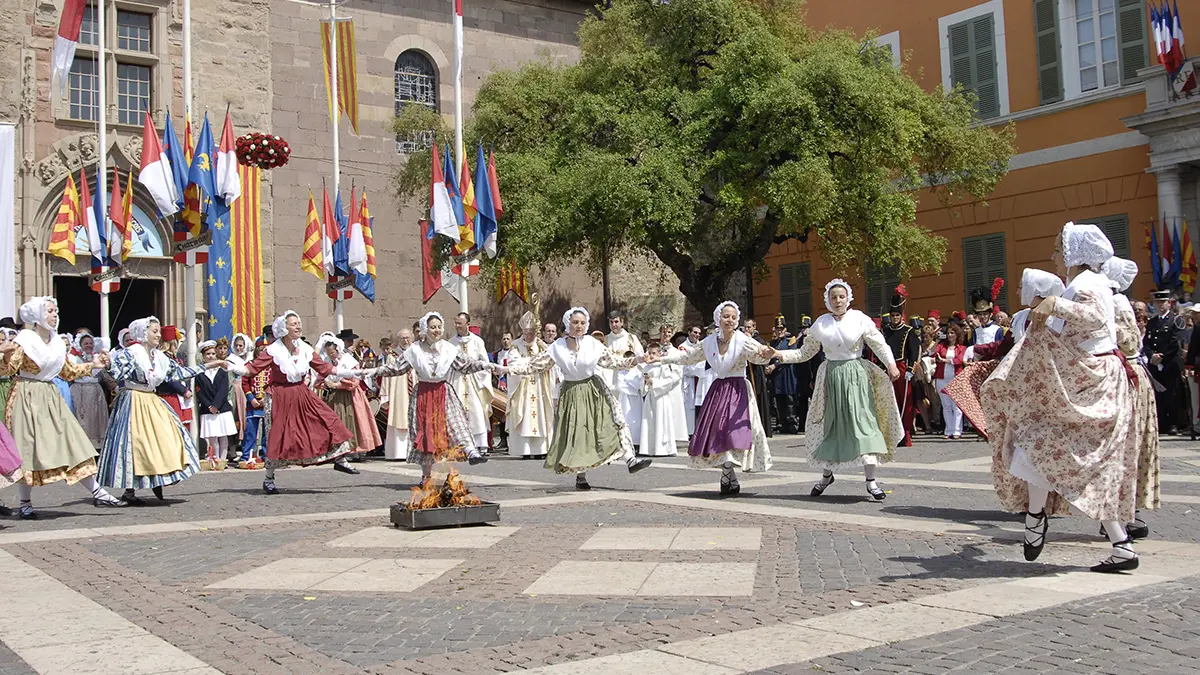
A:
(852, 418)
(729, 432)
(1061, 408)
(589, 429)
(437, 421)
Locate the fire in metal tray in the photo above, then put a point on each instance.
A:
(452, 492)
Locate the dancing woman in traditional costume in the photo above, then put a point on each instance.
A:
(1121, 273)
(346, 395)
(1061, 408)
(729, 431)
(53, 446)
(87, 395)
(852, 419)
(147, 446)
(437, 420)
(303, 430)
(589, 429)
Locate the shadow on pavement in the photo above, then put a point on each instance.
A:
(969, 563)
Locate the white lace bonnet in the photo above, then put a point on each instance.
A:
(140, 328)
(587, 319)
(34, 311)
(423, 324)
(279, 325)
(722, 306)
(838, 282)
(1037, 283)
(1085, 244)
(1120, 271)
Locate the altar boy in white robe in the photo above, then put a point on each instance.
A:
(630, 390)
(474, 389)
(660, 414)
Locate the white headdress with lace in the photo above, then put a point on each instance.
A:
(722, 306)
(34, 312)
(327, 338)
(1120, 271)
(587, 319)
(423, 324)
(140, 328)
(838, 282)
(1037, 283)
(279, 325)
(1085, 244)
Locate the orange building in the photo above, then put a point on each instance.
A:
(1101, 137)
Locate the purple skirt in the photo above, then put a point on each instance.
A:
(10, 456)
(724, 420)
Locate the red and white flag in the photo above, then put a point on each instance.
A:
(65, 42)
(357, 252)
(156, 173)
(229, 183)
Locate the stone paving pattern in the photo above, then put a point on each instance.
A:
(476, 618)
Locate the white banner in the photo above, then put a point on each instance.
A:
(8, 225)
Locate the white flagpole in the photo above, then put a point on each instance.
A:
(102, 169)
(458, 129)
(338, 313)
(189, 271)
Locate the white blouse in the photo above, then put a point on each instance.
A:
(436, 364)
(1105, 340)
(732, 363)
(1020, 324)
(842, 340)
(576, 365)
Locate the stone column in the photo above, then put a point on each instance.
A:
(1170, 196)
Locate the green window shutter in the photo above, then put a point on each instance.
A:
(880, 282)
(803, 293)
(973, 63)
(787, 294)
(1131, 33)
(1116, 228)
(984, 259)
(1045, 19)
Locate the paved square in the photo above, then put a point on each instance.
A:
(341, 574)
(394, 537)
(576, 577)
(675, 539)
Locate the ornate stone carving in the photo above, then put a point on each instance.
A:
(49, 169)
(28, 85)
(133, 150)
(87, 146)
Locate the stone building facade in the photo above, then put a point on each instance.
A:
(262, 59)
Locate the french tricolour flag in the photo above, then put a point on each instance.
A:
(66, 41)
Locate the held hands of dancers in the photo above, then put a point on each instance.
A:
(768, 352)
(1041, 314)
(893, 372)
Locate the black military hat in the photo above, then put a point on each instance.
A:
(1161, 294)
(899, 297)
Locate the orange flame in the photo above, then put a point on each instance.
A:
(453, 492)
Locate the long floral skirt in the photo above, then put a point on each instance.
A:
(91, 409)
(1064, 420)
(10, 458)
(1146, 432)
(354, 410)
(53, 446)
(852, 418)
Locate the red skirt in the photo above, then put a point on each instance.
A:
(304, 430)
(432, 435)
(184, 414)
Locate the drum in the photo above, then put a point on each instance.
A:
(500, 403)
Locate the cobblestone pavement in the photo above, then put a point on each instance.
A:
(225, 579)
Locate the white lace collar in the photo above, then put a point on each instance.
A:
(293, 366)
(153, 363)
(49, 356)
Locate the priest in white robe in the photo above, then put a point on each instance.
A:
(530, 417)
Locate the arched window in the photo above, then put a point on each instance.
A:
(416, 82)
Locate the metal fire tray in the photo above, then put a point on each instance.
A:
(451, 516)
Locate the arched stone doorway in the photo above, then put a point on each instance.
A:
(151, 282)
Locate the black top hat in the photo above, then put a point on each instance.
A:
(9, 323)
(347, 334)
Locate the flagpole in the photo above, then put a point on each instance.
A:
(458, 126)
(189, 271)
(102, 169)
(339, 317)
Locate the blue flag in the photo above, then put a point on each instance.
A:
(174, 151)
(1155, 258)
(203, 171)
(485, 216)
(341, 247)
(100, 257)
(218, 272)
(456, 198)
(1175, 274)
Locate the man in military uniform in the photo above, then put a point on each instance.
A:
(783, 380)
(983, 305)
(906, 349)
(1160, 347)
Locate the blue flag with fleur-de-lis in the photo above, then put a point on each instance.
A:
(218, 273)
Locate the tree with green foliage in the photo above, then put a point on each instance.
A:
(704, 131)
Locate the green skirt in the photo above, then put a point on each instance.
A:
(586, 433)
(6, 385)
(53, 445)
(851, 428)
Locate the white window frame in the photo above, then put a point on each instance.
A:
(1068, 40)
(996, 9)
(892, 40)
